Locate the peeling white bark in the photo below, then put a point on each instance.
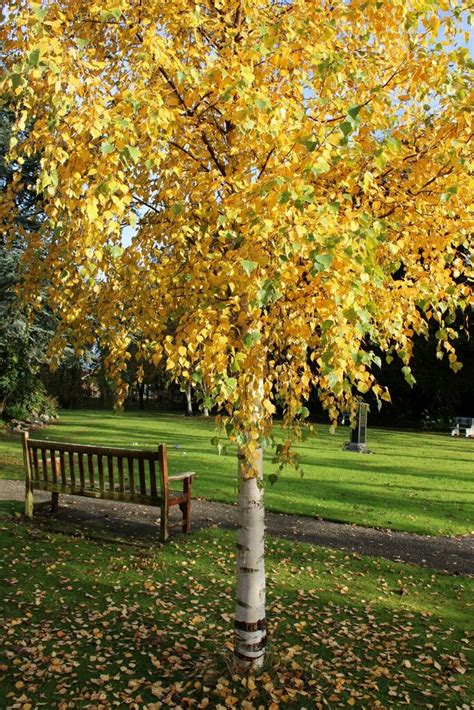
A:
(189, 401)
(250, 627)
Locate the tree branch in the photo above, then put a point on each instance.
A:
(212, 153)
(171, 83)
(147, 204)
(265, 163)
(191, 155)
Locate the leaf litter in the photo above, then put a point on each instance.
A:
(94, 625)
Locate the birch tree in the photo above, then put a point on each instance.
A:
(296, 179)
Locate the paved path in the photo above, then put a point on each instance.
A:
(139, 523)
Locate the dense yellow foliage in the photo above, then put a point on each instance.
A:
(295, 174)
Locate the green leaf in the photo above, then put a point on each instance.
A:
(107, 147)
(393, 144)
(131, 152)
(268, 293)
(231, 383)
(33, 58)
(261, 103)
(320, 166)
(116, 252)
(248, 75)
(407, 373)
(208, 402)
(16, 80)
(221, 449)
(309, 144)
(303, 412)
(248, 266)
(284, 197)
(321, 262)
(235, 362)
(354, 111)
(449, 193)
(273, 478)
(251, 338)
(346, 128)
(40, 12)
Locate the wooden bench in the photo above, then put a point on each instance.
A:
(465, 424)
(107, 473)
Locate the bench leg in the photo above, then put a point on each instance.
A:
(54, 502)
(186, 511)
(164, 526)
(29, 503)
(186, 507)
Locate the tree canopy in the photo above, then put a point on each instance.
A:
(296, 184)
(295, 176)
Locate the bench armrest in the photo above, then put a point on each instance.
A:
(182, 476)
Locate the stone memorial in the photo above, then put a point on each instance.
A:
(359, 434)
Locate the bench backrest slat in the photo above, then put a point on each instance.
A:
(54, 466)
(153, 486)
(100, 466)
(45, 465)
(141, 476)
(110, 471)
(62, 468)
(72, 471)
(121, 481)
(35, 472)
(82, 476)
(131, 475)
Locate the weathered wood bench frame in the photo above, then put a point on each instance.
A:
(465, 424)
(61, 468)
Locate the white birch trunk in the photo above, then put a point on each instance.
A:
(250, 626)
(205, 410)
(189, 401)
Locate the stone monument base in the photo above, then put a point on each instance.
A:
(361, 448)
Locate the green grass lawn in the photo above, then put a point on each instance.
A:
(100, 626)
(414, 481)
